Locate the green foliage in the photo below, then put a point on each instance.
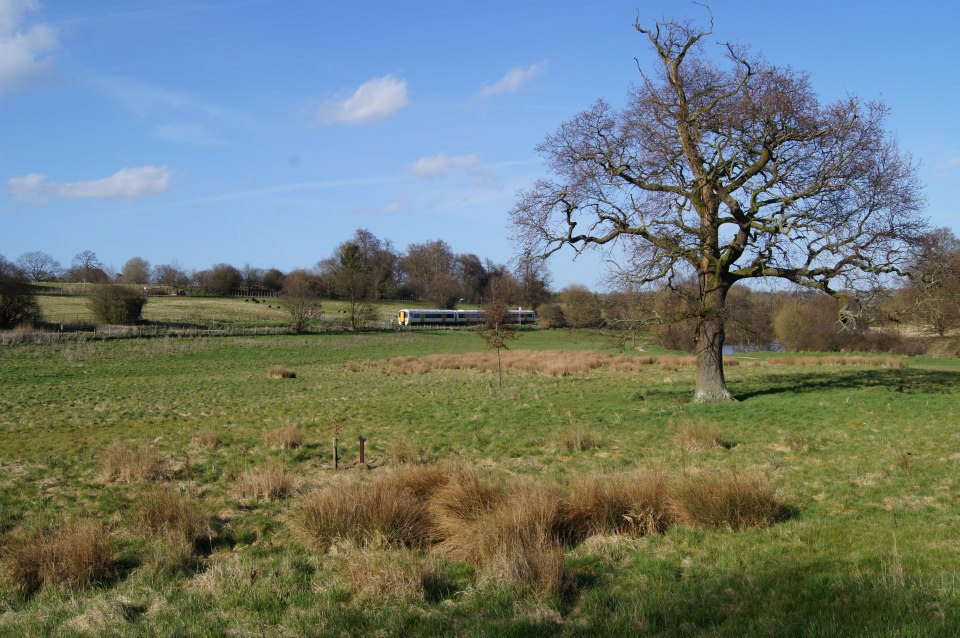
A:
(116, 304)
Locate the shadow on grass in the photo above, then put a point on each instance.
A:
(905, 380)
(773, 599)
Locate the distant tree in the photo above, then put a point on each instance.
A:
(935, 282)
(87, 269)
(727, 172)
(581, 307)
(117, 305)
(431, 272)
(473, 277)
(550, 315)
(252, 277)
(496, 331)
(380, 262)
(136, 271)
(222, 279)
(40, 266)
(170, 275)
(18, 304)
(533, 280)
(301, 298)
(502, 284)
(273, 280)
(350, 278)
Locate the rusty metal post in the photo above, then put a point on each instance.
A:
(336, 454)
(363, 456)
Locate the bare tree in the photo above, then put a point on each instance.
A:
(86, 268)
(301, 298)
(496, 330)
(935, 284)
(727, 172)
(39, 266)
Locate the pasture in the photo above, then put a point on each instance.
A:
(863, 452)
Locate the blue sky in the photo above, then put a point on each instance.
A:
(265, 132)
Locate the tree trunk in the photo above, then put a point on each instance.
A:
(711, 385)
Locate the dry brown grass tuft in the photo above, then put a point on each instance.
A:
(456, 507)
(266, 483)
(175, 525)
(696, 436)
(281, 372)
(404, 451)
(124, 464)
(288, 438)
(75, 554)
(375, 570)
(579, 440)
(732, 500)
(839, 360)
(208, 438)
(634, 503)
(393, 507)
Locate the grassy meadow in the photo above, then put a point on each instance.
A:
(863, 453)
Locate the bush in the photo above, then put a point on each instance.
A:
(550, 315)
(581, 308)
(18, 305)
(116, 305)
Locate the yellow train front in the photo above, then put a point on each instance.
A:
(437, 317)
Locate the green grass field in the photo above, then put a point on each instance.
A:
(867, 459)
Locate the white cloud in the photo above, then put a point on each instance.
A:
(127, 183)
(373, 100)
(513, 80)
(23, 51)
(441, 164)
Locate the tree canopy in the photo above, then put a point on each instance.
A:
(726, 170)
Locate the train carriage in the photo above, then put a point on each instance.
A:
(437, 317)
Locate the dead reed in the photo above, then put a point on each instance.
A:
(287, 438)
(695, 436)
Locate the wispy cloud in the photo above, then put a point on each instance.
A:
(143, 99)
(374, 100)
(127, 183)
(24, 50)
(441, 164)
(942, 169)
(513, 81)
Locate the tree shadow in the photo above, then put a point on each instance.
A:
(903, 380)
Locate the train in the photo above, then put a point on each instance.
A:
(436, 317)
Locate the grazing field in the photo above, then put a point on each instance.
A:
(208, 311)
(186, 487)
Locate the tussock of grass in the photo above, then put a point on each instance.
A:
(391, 507)
(124, 464)
(635, 504)
(288, 438)
(208, 438)
(732, 500)
(74, 554)
(267, 483)
(579, 440)
(281, 372)
(455, 509)
(696, 436)
(404, 451)
(375, 570)
(175, 525)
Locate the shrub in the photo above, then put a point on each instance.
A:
(266, 483)
(550, 315)
(18, 305)
(115, 304)
(581, 308)
(124, 464)
(74, 554)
